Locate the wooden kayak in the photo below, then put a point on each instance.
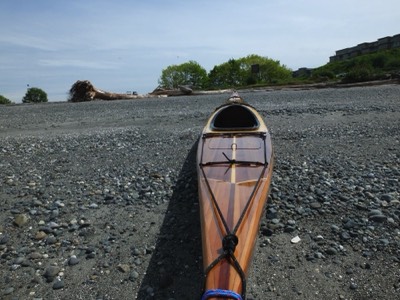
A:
(234, 165)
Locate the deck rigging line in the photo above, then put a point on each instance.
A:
(230, 240)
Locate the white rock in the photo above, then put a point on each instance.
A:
(295, 240)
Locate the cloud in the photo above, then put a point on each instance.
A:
(28, 42)
(76, 63)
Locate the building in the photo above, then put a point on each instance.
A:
(389, 42)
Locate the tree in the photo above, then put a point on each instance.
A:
(35, 95)
(4, 100)
(228, 74)
(238, 72)
(269, 70)
(189, 73)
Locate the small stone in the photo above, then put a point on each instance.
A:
(4, 239)
(345, 236)
(331, 251)
(150, 291)
(51, 272)
(289, 229)
(35, 255)
(374, 212)
(51, 240)
(19, 260)
(59, 203)
(353, 286)
(378, 218)
(335, 228)
(133, 276)
(59, 284)
(384, 242)
(53, 225)
(40, 235)
(73, 260)
(386, 197)
(124, 268)
(295, 240)
(21, 220)
(8, 291)
(315, 205)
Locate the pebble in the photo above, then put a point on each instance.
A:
(51, 240)
(331, 251)
(295, 240)
(51, 272)
(21, 219)
(40, 235)
(35, 255)
(315, 205)
(73, 260)
(378, 218)
(58, 284)
(4, 238)
(353, 286)
(125, 268)
(8, 290)
(133, 276)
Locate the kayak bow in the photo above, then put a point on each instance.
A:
(234, 165)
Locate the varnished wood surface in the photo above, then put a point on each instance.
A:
(232, 186)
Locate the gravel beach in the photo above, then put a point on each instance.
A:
(99, 199)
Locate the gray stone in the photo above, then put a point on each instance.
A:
(58, 284)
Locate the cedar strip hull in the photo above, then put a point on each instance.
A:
(232, 185)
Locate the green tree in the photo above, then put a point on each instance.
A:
(235, 73)
(270, 71)
(35, 95)
(4, 100)
(189, 73)
(228, 74)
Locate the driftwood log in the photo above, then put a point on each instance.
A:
(181, 91)
(84, 90)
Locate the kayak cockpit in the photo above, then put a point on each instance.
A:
(234, 117)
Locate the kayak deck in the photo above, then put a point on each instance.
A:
(234, 174)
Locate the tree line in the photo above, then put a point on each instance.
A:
(257, 70)
(32, 95)
(250, 70)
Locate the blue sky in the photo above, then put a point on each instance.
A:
(123, 45)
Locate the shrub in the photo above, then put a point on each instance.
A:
(393, 63)
(4, 100)
(359, 74)
(322, 75)
(35, 95)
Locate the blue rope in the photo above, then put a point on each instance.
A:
(217, 293)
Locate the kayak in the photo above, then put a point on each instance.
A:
(234, 166)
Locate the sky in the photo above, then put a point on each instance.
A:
(123, 45)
